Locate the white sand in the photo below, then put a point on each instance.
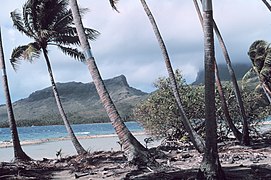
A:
(47, 149)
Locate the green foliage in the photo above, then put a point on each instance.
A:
(47, 22)
(159, 114)
(260, 55)
(56, 120)
(255, 106)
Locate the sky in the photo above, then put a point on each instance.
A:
(127, 44)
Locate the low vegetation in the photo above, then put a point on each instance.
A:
(159, 115)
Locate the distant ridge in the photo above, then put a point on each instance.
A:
(240, 70)
(80, 102)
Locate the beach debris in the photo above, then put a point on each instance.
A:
(59, 153)
(120, 143)
(186, 155)
(81, 175)
(168, 162)
(150, 169)
(147, 141)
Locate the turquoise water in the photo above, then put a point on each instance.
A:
(59, 131)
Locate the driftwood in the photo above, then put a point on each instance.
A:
(238, 162)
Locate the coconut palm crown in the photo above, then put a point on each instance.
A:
(48, 22)
(260, 55)
(257, 53)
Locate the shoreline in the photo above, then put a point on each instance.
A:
(7, 144)
(47, 149)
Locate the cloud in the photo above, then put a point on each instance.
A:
(127, 44)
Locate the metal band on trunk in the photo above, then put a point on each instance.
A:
(3, 72)
(207, 5)
(88, 54)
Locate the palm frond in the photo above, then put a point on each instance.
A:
(83, 11)
(91, 34)
(63, 20)
(19, 25)
(30, 16)
(69, 36)
(50, 11)
(32, 52)
(265, 71)
(64, 40)
(49, 22)
(113, 4)
(257, 54)
(73, 52)
(46, 34)
(27, 52)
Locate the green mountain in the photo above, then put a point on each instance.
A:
(80, 101)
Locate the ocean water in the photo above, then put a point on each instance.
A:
(59, 131)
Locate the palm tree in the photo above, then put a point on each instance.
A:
(238, 135)
(245, 132)
(194, 137)
(134, 151)
(260, 55)
(210, 167)
(267, 4)
(19, 154)
(49, 22)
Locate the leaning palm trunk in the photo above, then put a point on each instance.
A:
(194, 137)
(238, 135)
(265, 87)
(77, 145)
(245, 132)
(210, 167)
(134, 151)
(267, 4)
(19, 154)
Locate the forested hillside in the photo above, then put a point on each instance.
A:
(80, 101)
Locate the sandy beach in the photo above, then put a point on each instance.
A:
(47, 148)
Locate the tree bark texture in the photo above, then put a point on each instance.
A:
(210, 167)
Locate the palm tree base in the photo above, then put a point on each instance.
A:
(22, 157)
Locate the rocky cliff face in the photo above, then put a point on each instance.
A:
(80, 101)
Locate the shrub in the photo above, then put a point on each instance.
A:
(158, 114)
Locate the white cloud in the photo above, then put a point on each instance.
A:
(128, 46)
